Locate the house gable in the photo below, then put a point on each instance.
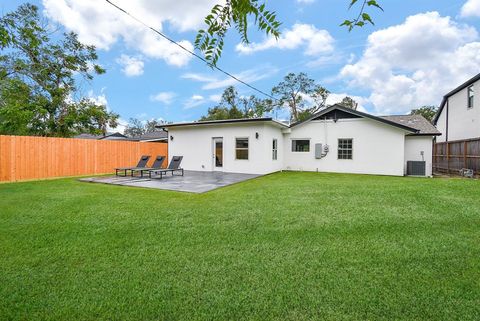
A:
(337, 112)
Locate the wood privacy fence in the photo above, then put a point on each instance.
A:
(27, 158)
(451, 157)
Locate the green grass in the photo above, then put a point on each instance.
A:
(288, 246)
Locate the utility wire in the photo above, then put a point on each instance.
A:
(189, 51)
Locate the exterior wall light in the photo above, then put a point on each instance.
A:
(171, 137)
(257, 135)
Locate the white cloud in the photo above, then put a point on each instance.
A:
(305, 1)
(249, 76)
(197, 100)
(198, 77)
(98, 23)
(100, 99)
(415, 63)
(132, 66)
(314, 40)
(335, 98)
(194, 101)
(122, 125)
(163, 97)
(215, 98)
(471, 8)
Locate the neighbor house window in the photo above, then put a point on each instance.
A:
(470, 96)
(274, 149)
(345, 148)
(241, 148)
(300, 145)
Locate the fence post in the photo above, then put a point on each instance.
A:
(465, 154)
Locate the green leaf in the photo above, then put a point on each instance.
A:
(366, 17)
(373, 3)
(352, 3)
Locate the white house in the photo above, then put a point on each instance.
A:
(458, 117)
(337, 139)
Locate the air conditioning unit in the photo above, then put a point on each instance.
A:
(416, 168)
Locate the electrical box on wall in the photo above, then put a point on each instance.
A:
(321, 150)
(318, 151)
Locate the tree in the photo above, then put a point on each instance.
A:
(151, 125)
(233, 106)
(428, 112)
(349, 103)
(137, 127)
(134, 128)
(210, 41)
(39, 78)
(300, 95)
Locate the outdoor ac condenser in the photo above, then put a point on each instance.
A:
(416, 168)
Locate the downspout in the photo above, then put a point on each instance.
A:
(446, 127)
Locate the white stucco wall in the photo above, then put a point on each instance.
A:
(442, 125)
(377, 148)
(463, 122)
(414, 145)
(194, 143)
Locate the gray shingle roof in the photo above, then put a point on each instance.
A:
(415, 121)
(108, 136)
(156, 135)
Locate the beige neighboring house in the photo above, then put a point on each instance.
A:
(458, 117)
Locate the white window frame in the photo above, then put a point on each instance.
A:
(247, 149)
(294, 139)
(344, 149)
(470, 96)
(275, 149)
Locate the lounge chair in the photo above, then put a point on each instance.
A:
(142, 163)
(173, 167)
(157, 165)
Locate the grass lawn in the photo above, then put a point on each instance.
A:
(287, 246)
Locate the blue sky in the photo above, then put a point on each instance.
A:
(416, 51)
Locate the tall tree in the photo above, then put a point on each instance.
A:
(428, 112)
(349, 102)
(137, 127)
(233, 106)
(301, 95)
(39, 78)
(134, 128)
(237, 13)
(151, 125)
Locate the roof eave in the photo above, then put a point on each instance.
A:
(224, 121)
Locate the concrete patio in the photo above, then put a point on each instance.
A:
(192, 181)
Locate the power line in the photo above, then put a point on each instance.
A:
(189, 51)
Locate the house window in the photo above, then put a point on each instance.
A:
(300, 145)
(345, 148)
(241, 148)
(470, 96)
(274, 149)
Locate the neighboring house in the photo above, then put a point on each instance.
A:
(108, 136)
(458, 117)
(337, 139)
(159, 136)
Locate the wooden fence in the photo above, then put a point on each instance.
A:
(28, 158)
(451, 157)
